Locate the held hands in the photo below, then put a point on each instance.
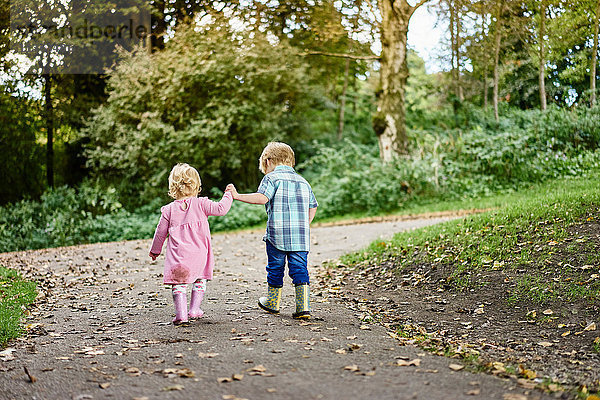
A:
(231, 189)
(153, 256)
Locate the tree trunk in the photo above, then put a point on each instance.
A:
(343, 101)
(49, 130)
(542, 56)
(460, 93)
(452, 30)
(158, 24)
(485, 61)
(497, 37)
(389, 120)
(595, 56)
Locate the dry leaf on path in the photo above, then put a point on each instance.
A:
(590, 327)
(207, 355)
(514, 396)
(172, 388)
(351, 368)
(456, 367)
(413, 363)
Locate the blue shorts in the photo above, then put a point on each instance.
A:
(297, 265)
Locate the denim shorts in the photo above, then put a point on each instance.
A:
(297, 265)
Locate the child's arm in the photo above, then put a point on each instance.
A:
(218, 208)
(162, 230)
(251, 198)
(311, 214)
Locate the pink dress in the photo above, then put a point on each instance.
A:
(189, 253)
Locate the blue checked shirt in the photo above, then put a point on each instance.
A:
(290, 196)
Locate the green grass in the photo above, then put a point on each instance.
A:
(15, 294)
(527, 228)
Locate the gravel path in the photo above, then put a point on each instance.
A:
(102, 331)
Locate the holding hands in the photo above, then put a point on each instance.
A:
(231, 189)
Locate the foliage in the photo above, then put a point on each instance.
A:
(482, 158)
(15, 294)
(212, 98)
(21, 169)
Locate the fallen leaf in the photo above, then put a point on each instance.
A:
(224, 380)
(456, 367)
(271, 390)
(104, 385)
(354, 346)
(590, 327)
(258, 368)
(526, 383)
(133, 371)
(474, 392)
(412, 363)
(341, 351)
(237, 377)
(545, 344)
(565, 334)
(529, 374)
(351, 368)
(548, 312)
(514, 396)
(172, 388)
(207, 355)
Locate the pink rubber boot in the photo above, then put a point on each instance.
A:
(180, 302)
(198, 290)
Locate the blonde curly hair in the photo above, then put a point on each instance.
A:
(184, 181)
(278, 153)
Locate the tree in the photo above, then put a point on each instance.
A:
(497, 43)
(389, 121)
(542, 55)
(212, 97)
(594, 55)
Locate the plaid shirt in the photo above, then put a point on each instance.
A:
(290, 197)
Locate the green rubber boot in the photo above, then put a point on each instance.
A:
(272, 301)
(302, 302)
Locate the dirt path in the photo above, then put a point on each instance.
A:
(103, 332)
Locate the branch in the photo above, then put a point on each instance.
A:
(419, 4)
(350, 56)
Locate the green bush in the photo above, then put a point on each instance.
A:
(482, 159)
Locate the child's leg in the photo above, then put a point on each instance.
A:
(298, 269)
(198, 290)
(180, 302)
(275, 265)
(275, 272)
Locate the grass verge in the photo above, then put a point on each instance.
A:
(15, 294)
(532, 230)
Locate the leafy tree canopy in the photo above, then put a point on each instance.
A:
(213, 98)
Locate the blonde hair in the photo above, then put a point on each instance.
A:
(184, 181)
(278, 153)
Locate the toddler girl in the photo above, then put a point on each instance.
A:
(189, 256)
